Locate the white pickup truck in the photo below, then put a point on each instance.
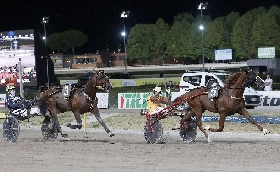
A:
(191, 80)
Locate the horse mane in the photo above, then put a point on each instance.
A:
(231, 79)
(84, 78)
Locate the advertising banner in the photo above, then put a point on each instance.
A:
(268, 52)
(132, 100)
(133, 82)
(17, 46)
(103, 99)
(139, 100)
(270, 98)
(225, 54)
(2, 100)
(143, 81)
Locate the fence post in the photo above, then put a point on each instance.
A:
(85, 121)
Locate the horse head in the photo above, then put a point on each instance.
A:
(100, 79)
(104, 81)
(251, 76)
(251, 79)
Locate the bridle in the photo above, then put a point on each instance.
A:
(98, 76)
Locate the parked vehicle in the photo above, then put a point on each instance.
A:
(193, 79)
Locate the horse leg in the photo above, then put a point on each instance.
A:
(246, 114)
(78, 119)
(56, 126)
(100, 120)
(198, 113)
(221, 124)
(187, 117)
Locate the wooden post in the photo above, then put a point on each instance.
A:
(85, 121)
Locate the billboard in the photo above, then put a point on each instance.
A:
(268, 52)
(225, 54)
(14, 46)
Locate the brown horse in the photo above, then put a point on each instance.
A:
(82, 99)
(228, 102)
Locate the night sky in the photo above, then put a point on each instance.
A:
(100, 19)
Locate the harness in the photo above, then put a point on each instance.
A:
(90, 99)
(233, 97)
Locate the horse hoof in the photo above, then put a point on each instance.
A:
(209, 139)
(265, 131)
(207, 127)
(64, 135)
(111, 134)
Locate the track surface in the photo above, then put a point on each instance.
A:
(128, 151)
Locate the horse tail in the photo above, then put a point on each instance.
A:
(42, 106)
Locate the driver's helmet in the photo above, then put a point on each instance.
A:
(157, 89)
(11, 90)
(10, 87)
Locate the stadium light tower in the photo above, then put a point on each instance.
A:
(124, 14)
(202, 6)
(45, 20)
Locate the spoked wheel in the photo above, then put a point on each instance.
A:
(11, 129)
(154, 136)
(188, 131)
(47, 133)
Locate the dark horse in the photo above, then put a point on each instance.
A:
(228, 102)
(82, 99)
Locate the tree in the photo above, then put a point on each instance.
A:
(215, 38)
(54, 42)
(160, 31)
(178, 36)
(242, 36)
(72, 39)
(177, 39)
(139, 42)
(194, 44)
(229, 23)
(266, 32)
(275, 11)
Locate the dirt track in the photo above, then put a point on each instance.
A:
(94, 150)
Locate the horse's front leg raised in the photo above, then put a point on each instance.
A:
(100, 120)
(246, 114)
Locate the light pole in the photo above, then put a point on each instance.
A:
(124, 14)
(202, 6)
(45, 20)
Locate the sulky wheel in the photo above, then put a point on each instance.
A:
(46, 131)
(154, 136)
(188, 131)
(10, 129)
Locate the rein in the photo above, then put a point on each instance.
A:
(179, 102)
(236, 88)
